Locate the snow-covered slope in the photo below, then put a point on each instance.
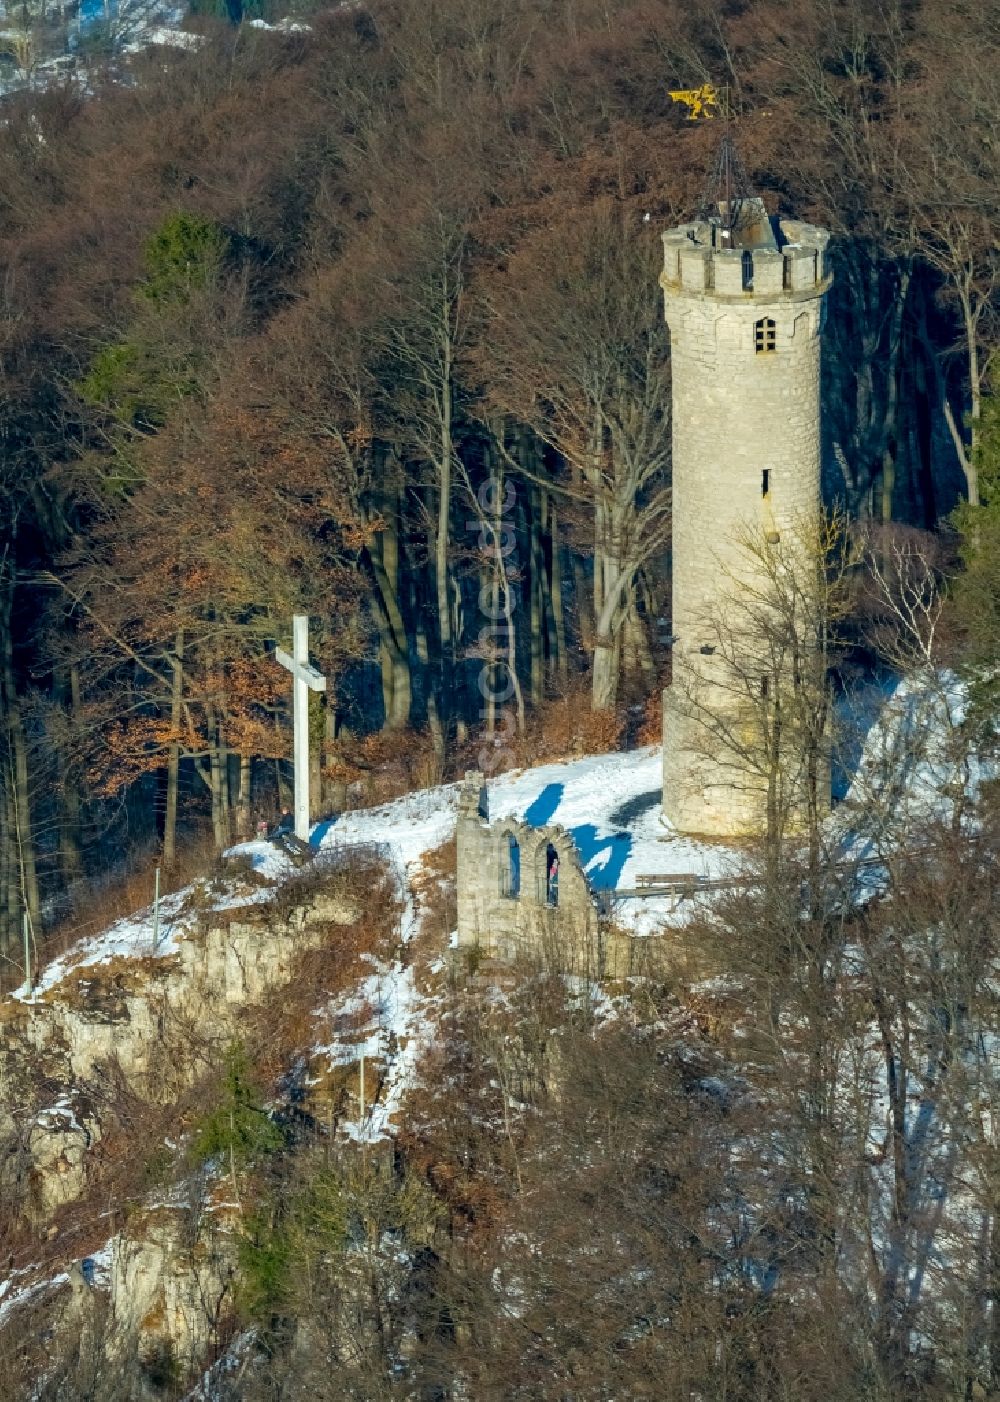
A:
(610, 805)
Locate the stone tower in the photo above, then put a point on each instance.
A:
(744, 301)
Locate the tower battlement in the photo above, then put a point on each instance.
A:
(700, 259)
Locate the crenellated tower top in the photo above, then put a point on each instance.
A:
(745, 260)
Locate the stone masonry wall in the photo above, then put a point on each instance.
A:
(736, 413)
(501, 924)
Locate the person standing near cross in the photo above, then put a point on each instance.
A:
(304, 679)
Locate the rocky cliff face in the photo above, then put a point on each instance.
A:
(137, 1018)
(129, 1229)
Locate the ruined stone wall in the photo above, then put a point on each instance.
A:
(738, 412)
(500, 923)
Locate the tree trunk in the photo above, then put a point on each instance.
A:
(975, 397)
(244, 797)
(174, 754)
(581, 594)
(23, 835)
(993, 1292)
(218, 765)
(334, 791)
(508, 608)
(607, 663)
(501, 638)
(615, 579)
(559, 653)
(491, 583)
(317, 709)
(536, 505)
(20, 835)
(70, 855)
(443, 540)
(891, 411)
(640, 656)
(385, 671)
(434, 722)
(397, 683)
(10, 885)
(598, 582)
(965, 459)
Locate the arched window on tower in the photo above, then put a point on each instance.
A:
(510, 870)
(765, 337)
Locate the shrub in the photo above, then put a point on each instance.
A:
(305, 1226)
(238, 1129)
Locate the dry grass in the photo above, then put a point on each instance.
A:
(285, 1025)
(97, 907)
(385, 765)
(650, 730)
(564, 727)
(380, 768)
(434, 891)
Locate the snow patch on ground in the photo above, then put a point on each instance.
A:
(12, 1298)
(396, 1026)
(284, 26)
(144, 936)
(611, 807)
(915, 762)
(208, 1388)
(60, 1115)
(390, 1022)
(166, 38)
(129, 938)
(406, 829)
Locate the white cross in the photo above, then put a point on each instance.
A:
(304, 680)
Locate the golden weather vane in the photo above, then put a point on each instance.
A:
(700, 102)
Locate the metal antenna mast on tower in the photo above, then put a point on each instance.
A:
(728, 192)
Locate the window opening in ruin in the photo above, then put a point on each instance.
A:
(551, 875)
(765, 687)
(747, 270)
(706, 649)
(765, 482)
(510, 872)
(765, 336)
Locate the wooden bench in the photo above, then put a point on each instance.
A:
(299, 851)
(679, 883)
(667, 881)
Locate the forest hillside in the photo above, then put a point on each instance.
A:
(303, 321)
(357, 317)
